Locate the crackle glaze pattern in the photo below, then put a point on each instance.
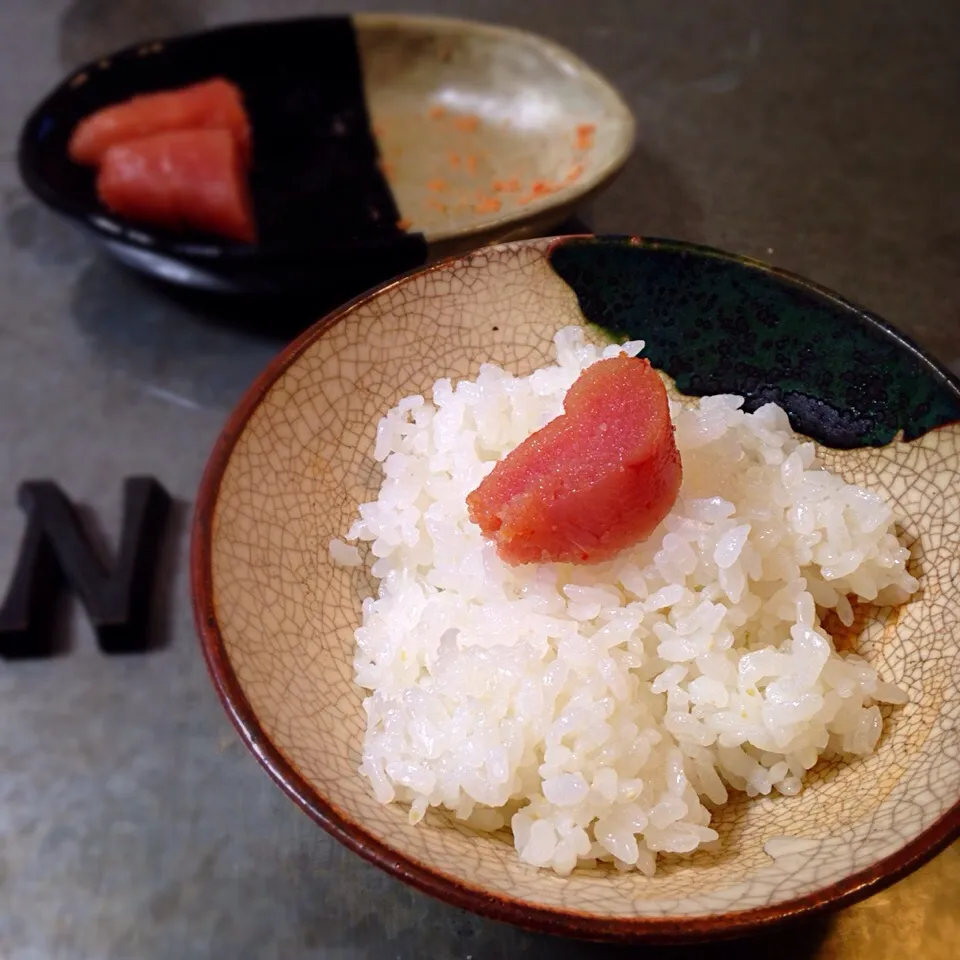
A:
(280, 619)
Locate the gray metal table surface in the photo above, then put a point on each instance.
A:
(819, 136)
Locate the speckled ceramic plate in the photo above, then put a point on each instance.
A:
(277, 620)
(380, 143)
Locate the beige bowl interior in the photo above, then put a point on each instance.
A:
(470, 117)
(286, 616)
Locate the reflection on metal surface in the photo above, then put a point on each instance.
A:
(918, 917)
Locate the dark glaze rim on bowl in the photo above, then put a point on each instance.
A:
(569, 923)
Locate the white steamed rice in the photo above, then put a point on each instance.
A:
(594, 709)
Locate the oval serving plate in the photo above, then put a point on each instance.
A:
(380, 143)
(277, 618)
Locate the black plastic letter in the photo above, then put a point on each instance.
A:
(56, 553)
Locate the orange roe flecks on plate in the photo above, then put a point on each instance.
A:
(539, 188)
(468, 123)
(585, 134)
(487, 205)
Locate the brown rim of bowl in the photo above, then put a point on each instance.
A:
(850, 889)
